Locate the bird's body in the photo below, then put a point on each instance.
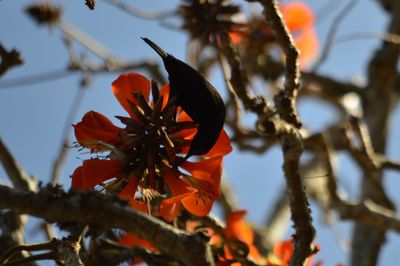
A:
(198, 98)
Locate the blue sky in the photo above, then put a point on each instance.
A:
(32, 117)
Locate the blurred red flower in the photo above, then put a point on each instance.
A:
(283, 252)
(299, 19)
(234, 242)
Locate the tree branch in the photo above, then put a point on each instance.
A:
(90, 208)
(292, 143)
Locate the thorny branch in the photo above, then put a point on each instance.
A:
(292, 144)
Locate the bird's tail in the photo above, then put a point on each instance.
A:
(156, 48)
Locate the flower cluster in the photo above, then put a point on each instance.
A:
(142, 161)
(258, 38)
(205, 19)
(234, 245)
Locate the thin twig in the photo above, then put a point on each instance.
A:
(20, 179)
(238, 79)
(52, 255)
(140, 13)
(52, 244)
(387, 37)
(83, 38)
(36, 78)
(66, 143)
(326, 10)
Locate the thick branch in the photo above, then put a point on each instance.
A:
(92, 209)
(379, 101)
(292, 143)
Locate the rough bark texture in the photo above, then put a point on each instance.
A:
(75, 207)
(379, 101)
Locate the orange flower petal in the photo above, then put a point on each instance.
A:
(77, 178)
(236, 37)
(207, 170)
(297, 15)
(198, 204)
(183, 116)
(300, 20)
(130, 189)
(284, 250)
(138, 205)
(130, 240)
(238, 229)
(308, 44)
(95, 127)
(175, 184)
(169, 208)
(93, 172)
(255, 254)
(187, 134)
(127, 84)
(164, 91)
(205, 178)
(221, 147)
(96, 120)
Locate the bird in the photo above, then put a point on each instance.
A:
(197, 97)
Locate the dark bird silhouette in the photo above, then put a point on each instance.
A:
(197, 97)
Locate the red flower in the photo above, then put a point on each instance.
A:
(239, 230)
(140, 159)
(196, 192)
